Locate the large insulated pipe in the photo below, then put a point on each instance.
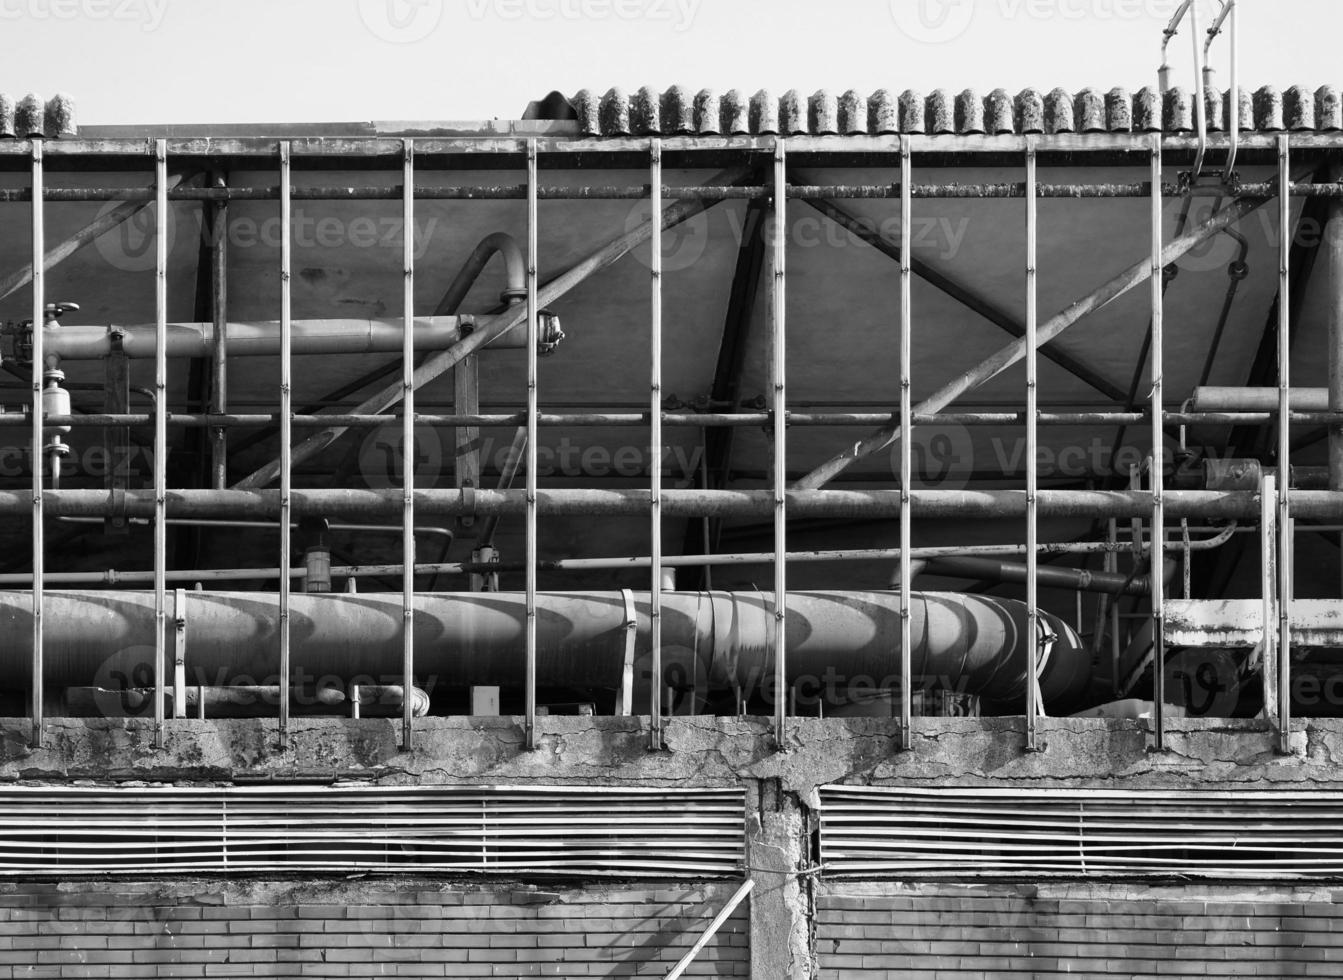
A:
(262, 337)
(974, 644)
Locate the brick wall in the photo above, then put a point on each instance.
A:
(1015, 932)
(360, 928)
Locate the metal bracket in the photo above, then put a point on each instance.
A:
(625, 696)
(180, 653)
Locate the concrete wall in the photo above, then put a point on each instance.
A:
(1079, 930)
(360, 928)
(787, 912)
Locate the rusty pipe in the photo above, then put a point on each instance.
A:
(1078, 579)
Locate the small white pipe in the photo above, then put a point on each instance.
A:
(1200, 105)
(530, 546)
(1234, 98)
(160, 435)
(655, 435)
(39, 362)
(408, 440)
(906, 443)
(286, 430)
(257, 338)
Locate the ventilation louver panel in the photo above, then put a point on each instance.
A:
(581, 831)
(955, 833)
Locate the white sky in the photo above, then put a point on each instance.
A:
(203, 61)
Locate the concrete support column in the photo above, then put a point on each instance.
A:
(776, 851)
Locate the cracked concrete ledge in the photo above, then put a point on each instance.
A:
(702, 751)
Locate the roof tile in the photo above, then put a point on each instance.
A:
(29, 116)
(647, 112)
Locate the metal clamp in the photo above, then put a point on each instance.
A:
(179, 653)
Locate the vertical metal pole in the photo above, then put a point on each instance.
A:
(39, 549)
(655, 741)
(160, 434)
(408, 446)
(532, 409)
(219, 363)
(906, 449)
(779, 364)
(1268, 567)
(286, 436)
(1157, 546)
(1285, 529)
(1032, 468)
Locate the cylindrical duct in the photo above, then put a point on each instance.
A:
(974, 644)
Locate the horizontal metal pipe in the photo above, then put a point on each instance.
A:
(451, 192)
(710, 639)
(1237, 399)
(1078, 579)
(115, 577)
(262, 337)
(245, 701)
(633, 192)
(682, 419)
(384, 505)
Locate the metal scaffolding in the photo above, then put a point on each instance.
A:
(778, 502)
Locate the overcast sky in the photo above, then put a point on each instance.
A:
(202, 61)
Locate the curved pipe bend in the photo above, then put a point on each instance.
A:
(515, 269)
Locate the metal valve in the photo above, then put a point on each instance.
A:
(54, 311)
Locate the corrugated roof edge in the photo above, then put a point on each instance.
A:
(30, 117)
(678, 112)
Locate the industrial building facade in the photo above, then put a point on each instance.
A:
(676, 534)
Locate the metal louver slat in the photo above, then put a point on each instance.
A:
(962, 833)
(459, 830)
